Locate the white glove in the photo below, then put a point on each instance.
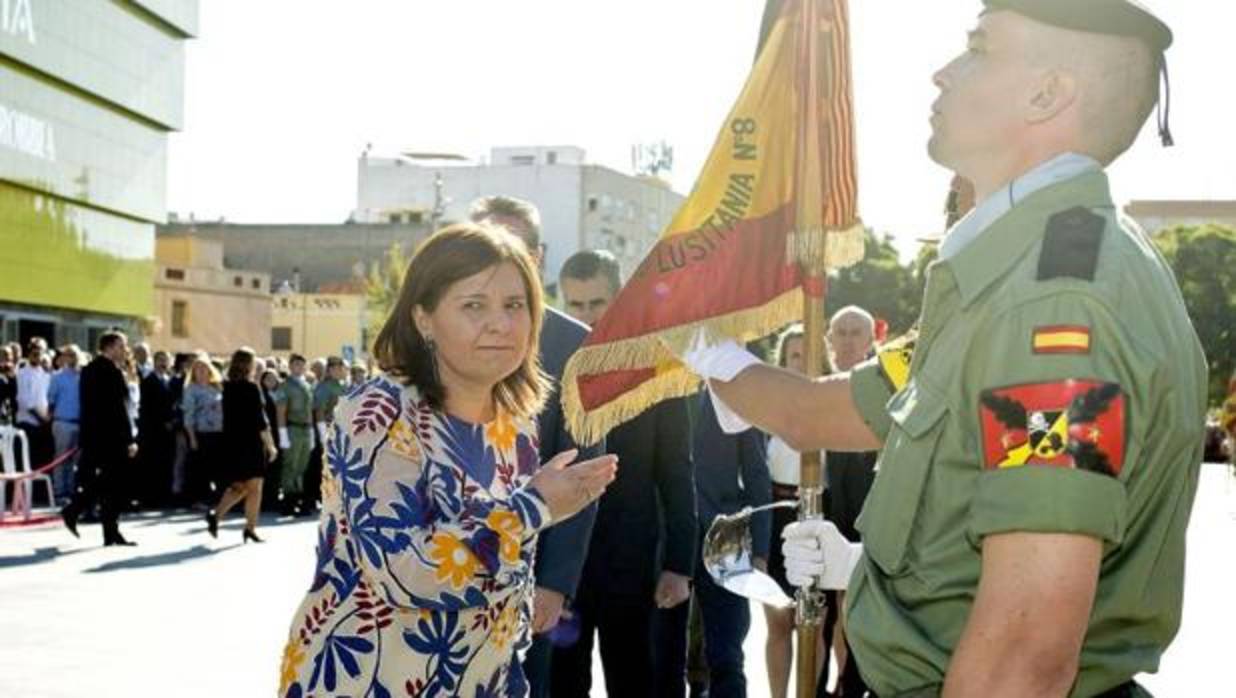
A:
(722, 361)
(817, 554)
(285, 442)
(321, 428)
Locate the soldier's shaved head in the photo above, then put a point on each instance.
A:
(1115, 79)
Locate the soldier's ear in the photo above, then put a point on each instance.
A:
(1052, 93)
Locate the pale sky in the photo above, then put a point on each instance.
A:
(283, 95)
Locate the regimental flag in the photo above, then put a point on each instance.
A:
(1065, 424)
(777, 196)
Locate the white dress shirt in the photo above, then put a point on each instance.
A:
(32, 385)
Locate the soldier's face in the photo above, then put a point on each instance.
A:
(978, 118)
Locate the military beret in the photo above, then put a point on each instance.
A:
(1118, 17)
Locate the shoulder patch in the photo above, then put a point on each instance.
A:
(1071, 245)
(1065, 424)
(895, 358)
(1061, 339)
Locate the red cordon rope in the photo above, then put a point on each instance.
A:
(20, 506)
(41, 470)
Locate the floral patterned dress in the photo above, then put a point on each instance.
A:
(423, 583)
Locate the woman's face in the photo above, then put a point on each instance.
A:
(794, 354)
(481, 327)
(200, 374)
(270, 381)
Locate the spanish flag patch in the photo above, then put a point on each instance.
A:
(1062, 339)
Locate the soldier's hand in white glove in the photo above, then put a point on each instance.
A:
(285, 441)
(816, 554)
(717, 358)
(723, 362)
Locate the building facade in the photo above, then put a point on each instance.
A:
(1154, 216)
(91, 89)
(202, 305)
(582, 205)
(318, 325)
(308, 257)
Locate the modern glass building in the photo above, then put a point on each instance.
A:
(89, 90)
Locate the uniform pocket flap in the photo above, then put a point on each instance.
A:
(916, 409)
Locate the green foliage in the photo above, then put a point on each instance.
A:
(1203, 258)
(382, 286)
(881, 285)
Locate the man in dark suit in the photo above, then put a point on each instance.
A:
(156, 430)
(561, 549)
(107, 439)
(732, 473)
(642, 552)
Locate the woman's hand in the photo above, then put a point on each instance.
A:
(568, 490)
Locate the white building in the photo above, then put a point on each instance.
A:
(1155, 216)
(582, 206)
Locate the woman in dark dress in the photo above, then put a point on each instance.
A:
(248, 445)
(270, 494)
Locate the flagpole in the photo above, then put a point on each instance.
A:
(810, 601)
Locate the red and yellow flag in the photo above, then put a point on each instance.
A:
(777, 198)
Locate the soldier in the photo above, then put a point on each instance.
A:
(294, 411)
(1025, 534)
(331, 386)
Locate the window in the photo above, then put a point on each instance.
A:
(238, 281)
(174, 274)
(592, 204)
(551, 158)
(523, 159)
(281, 338)
(180, 319)
(257, 284)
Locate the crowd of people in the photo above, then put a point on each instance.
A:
(136, 429)
(1037, 465)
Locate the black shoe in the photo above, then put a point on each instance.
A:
(117, 540)
(212, 523)
(249, 535)
(69, 514)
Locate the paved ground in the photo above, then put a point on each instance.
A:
(183, 616)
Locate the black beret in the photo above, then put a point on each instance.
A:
(1119, 17)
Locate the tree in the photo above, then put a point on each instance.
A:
(1204, 260)
(879, 284)
(382, 286)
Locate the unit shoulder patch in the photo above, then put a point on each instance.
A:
(1065, 424)
(1071, 245)
(895, 358)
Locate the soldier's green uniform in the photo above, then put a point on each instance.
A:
(296, 397)
(325, 396)
(1056, 386)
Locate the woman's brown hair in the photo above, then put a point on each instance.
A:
(241, 365)
(797, 332)
(454, 253)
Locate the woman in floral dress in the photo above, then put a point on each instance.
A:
(433, 494)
